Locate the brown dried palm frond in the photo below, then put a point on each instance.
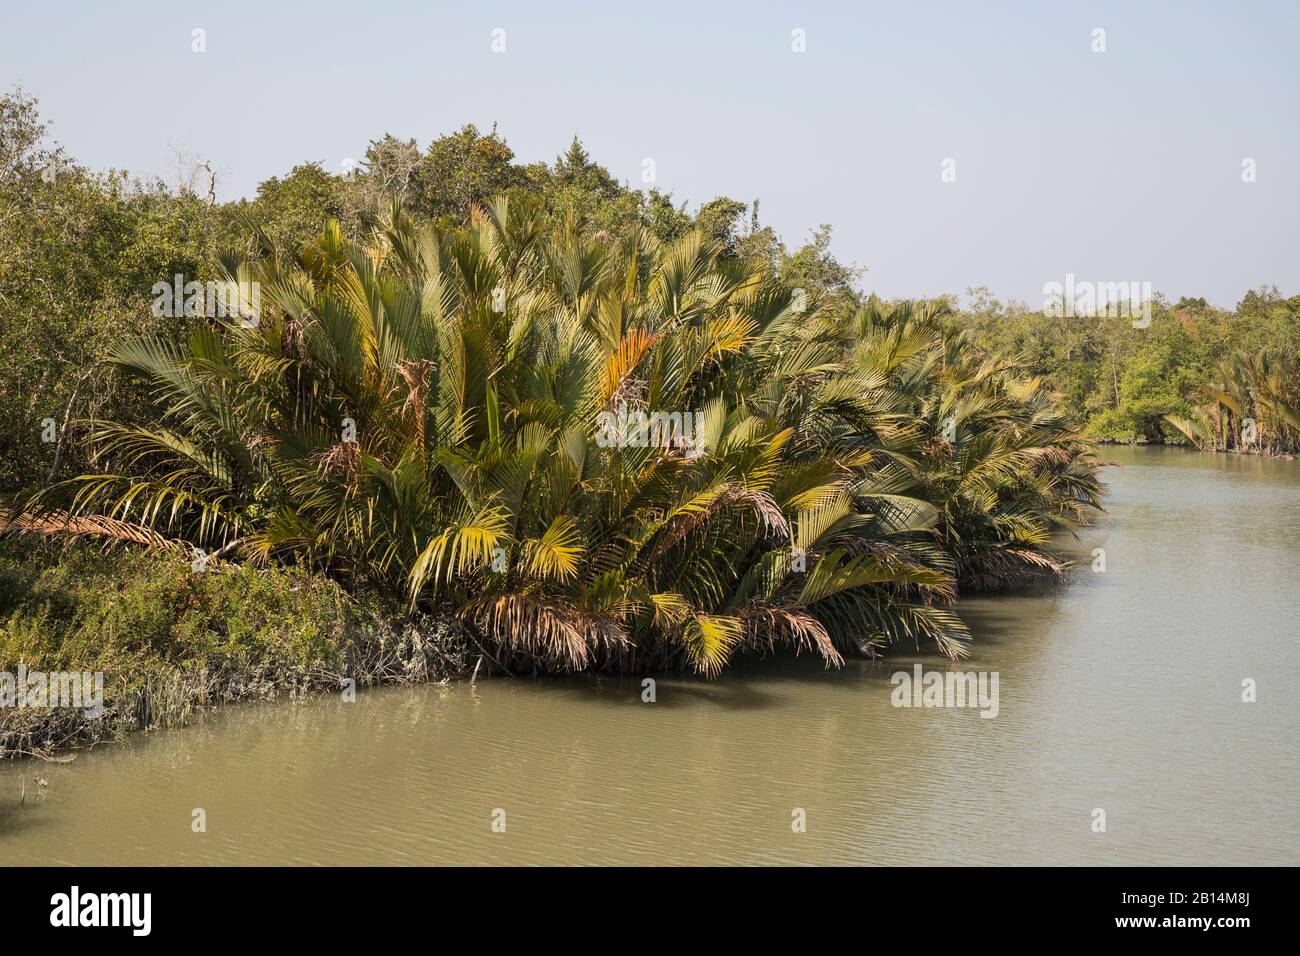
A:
(79, 526)
(291, 338)
(768, 511)
(262, 439)
(416, 375)
(769, 627)
(545, 629)
(1003, 568)
(342, 459)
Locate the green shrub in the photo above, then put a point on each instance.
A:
(168, 639)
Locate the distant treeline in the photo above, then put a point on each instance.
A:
(1219, 378)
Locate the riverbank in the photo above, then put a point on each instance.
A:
(1121, 691)
(1188, 446)
(146, 642)
(161, 642)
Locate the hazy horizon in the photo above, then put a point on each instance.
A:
(1124, 165)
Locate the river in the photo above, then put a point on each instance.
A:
(1119, 691)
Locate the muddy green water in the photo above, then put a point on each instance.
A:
(1120, 691)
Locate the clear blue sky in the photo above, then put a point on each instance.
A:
(1123, 165)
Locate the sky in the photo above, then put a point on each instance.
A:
(1122, 165)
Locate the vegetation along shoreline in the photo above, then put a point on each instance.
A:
(449, 413)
